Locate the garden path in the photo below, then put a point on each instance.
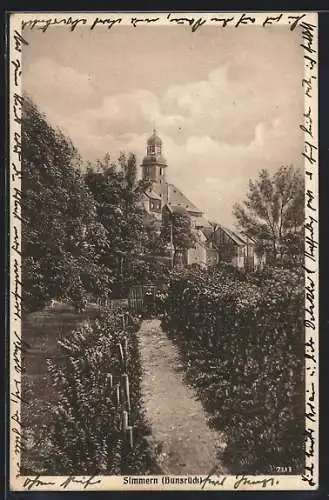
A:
(186, 445)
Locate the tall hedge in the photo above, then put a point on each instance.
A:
(242, 342)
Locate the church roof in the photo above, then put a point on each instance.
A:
(178, 199)
(176, 209)
(154, 139)
(201, 222)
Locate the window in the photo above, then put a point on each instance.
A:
(161, 170)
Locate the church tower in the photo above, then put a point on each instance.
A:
(154, 165)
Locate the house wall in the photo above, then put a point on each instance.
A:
(227, 249)
(146, 203)
(212, 257)
(238, 261)
(155, 205)
(157, 216)
(259, 260)
(242, 257)
(152, 206)
(197, 255)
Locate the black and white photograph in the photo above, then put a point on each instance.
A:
(164, 251)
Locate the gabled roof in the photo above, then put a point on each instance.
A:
(175, 209)
(207, 231)
(177, 198)
(152, 194)
(245, 238)
(201, 222)
(235, 237)
(238, 238)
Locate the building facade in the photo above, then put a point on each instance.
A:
(213, 243)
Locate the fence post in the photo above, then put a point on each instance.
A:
(125, 380)
(125, 345)
(130, 436)
(125, 353)
(124, 420)
(110, 380)
(121, 358)
(118, 394)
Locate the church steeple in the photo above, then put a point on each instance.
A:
(154, 144)
(154, 164)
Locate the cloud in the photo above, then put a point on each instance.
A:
(117, 114)
(51, 83)
(217, 132)
(235, 99)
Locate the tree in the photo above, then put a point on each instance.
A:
(273, 213)
(177, 232)
(62, 240)
(130, 229)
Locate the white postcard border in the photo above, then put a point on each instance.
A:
(307, 23)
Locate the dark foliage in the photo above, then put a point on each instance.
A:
(243, 347)
(84, 428)
(273, 214)
(62, 240)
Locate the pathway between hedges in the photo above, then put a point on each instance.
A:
(178, 422)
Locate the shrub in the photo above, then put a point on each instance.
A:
(242, 342)
(85, 431)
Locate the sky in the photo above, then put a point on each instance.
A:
(226, 102)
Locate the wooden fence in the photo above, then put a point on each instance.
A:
(142, 297)
(119, 387)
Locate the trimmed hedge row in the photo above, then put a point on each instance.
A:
(85, 431)
(242, 341)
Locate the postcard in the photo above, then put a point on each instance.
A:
(164, 268)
